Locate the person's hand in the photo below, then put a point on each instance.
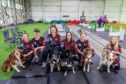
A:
(25, 55)
(35, 49)
(115, 52)
(43, 46)
(81, 53)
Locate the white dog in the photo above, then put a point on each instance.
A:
(108, 57)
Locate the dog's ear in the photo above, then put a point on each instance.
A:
(22, 55)
(11, 56)
(93, 50)
(107, 52)
(20, 50)
(12, 52)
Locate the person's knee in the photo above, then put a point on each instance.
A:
(29, 58)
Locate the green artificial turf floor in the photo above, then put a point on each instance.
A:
(4, 52)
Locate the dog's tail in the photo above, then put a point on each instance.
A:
(5, 67)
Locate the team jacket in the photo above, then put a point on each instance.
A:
(26, 47)
(38, 43)
(82, 45)
(53, 41)
(70, 47)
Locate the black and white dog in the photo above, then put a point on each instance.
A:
(55, 60)
(69, 62)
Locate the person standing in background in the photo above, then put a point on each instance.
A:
(105, 21)
(100, 20)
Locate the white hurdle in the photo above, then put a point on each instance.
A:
(85, 25)
(100, 29)
(119, 34)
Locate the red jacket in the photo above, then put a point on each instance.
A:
(72, 47)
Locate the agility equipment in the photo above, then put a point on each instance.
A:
(119, 34)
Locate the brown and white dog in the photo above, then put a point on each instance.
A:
(88, 54)
(108, 57)
(13, 61)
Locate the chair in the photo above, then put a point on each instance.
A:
(7, 38)
(16, 34)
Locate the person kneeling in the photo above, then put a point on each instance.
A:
(27, 49)
(38, 44)
(69, 50)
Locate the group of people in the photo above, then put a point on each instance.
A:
(43, 47)
(102, 21)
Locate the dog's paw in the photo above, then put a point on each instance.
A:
(23, 66)
(84, 69)
(98, 68)
(65, 73)
(8, 70)
(74, 72)
(51, 70)
(108, 71)
(88, 70)
(58, 69)
(18, 71)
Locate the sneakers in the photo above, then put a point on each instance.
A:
(43, 65)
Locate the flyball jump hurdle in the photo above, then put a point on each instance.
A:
(85, 25)
(94, 26)
(100, 29)
(119, 34)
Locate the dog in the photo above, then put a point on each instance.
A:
(108, 57)
(88, 53)
(69, 64)
(35, 58)
(55, 60)
(14, 60)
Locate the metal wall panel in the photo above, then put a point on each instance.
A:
(51, 2)
(93, 9)
(113, 9)
(123, 15)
